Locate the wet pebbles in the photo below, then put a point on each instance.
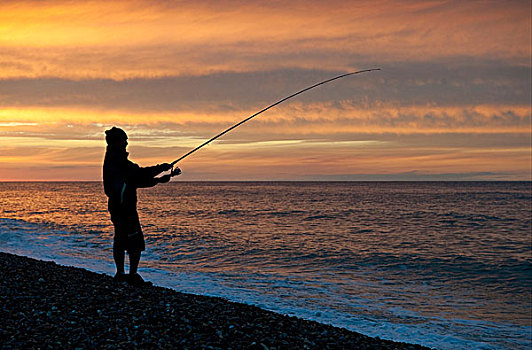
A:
(49, 306)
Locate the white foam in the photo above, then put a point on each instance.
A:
(32, 240)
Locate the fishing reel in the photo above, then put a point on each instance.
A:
(175, 171)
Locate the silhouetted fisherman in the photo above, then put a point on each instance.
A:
(121, 178)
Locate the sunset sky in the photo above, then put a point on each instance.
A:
(452, 100)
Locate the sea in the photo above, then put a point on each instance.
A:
(443, 264)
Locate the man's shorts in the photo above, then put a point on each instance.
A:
(128, 233)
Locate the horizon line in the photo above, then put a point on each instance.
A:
(214, 181)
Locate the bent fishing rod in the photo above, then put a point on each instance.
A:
(265, 109)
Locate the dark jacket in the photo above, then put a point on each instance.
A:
(122, 177)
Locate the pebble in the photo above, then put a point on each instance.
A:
(62, 315)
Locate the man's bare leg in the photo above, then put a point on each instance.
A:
(134, 259)
(119, 257)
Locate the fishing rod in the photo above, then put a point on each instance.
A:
(265, 109)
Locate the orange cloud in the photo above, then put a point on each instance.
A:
(124, 39)
(292, 119)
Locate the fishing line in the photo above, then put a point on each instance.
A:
(265, 109)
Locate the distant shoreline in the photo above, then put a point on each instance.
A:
(45, 304)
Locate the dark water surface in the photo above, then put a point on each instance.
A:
(442, 264)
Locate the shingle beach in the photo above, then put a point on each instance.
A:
(48, 306)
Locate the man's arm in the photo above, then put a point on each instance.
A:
(152, 171)
(145, 177)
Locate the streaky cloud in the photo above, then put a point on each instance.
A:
(408, 83)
